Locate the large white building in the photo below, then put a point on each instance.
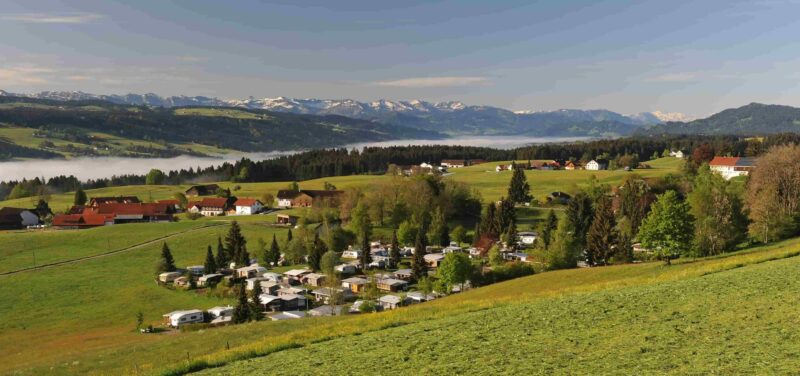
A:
(248, 206)
(731, 167)
(597, 164)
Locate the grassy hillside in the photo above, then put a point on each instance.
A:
(740, 321)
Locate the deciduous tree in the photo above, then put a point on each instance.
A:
(668, 229)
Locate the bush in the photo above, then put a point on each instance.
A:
(194, 216)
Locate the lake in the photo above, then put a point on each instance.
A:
(102, 167)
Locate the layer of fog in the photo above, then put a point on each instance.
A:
(103, 167)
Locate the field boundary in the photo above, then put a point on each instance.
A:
(109, 253)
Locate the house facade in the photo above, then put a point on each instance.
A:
(248, 206)
(597, 164)
(202, 190)
(17, 218)
(307, 198)
(731, 167)
(210, 206)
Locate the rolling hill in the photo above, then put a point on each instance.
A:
(46, 128)
(753, 119)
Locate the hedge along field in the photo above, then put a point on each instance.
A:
(740, 321)
(493, 185)
(78, 312)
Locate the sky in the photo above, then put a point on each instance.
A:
(694, 57)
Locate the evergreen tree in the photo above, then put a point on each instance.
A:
(236, 245)
(518, 189)
(488, 224)
(419, 268)
(579, 214)
(366, 255)
(222, 257)
(511, 235)
(394, 250)
(241, 312)
(477, 233)
(273, 254)
(210, 266)
(80, 197)
(256, 311)
(548, 228)
(289, 236)
(315, 256)
(601, 237)
(166, 263)
(634, 202)
(505, 215)
(668, 229)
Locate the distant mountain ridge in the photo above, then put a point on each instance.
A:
(454, 118)
(754, 119)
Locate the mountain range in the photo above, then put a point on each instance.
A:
(451, 118)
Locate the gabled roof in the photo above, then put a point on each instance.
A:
(732, 161)
(213, 202)
(246, 202)
(391, 299)
(114, 200)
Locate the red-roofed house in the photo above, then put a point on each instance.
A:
(210, 206)
(113, 213)
(248, 206)
(114, 200)
(730, 167)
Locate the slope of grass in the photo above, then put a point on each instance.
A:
(741, 321)
(73, 312)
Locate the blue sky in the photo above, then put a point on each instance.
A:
(695, 57)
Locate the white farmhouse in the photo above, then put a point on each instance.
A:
(248, 206)
(731, 167)
(597, 164)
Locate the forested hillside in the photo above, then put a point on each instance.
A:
(95, 128)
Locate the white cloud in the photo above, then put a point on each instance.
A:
(443, 81)
(45, 18)
(24, 75)
(672, 77)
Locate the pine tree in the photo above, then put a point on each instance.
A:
(222, 257)
(394, 250)
(80, 197)
(166, 263)
(511, 235)
(210, 266)
(518, 188)
(419, 268)
(315, 256)
(366, 255)
(241, 313)
(236, 245)
(548, 228)
(256, 312)
(289, 236)
(489, 221)
(273, 254)
(602, 235)
(580, 214)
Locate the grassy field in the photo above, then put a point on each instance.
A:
(79, 318)
(77, 311)
(494, 185)
(741, 321)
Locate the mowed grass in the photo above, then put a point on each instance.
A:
(19, 249)
(740, 321)
(79, 318)
(540, 288)
(70, 315)
(494, 185)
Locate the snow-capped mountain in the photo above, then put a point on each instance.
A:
(450, 117)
